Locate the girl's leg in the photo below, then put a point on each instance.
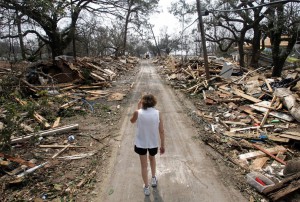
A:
(144, 165)
(152, 165)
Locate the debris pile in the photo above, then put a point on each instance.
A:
(253, 119)
(35, 102)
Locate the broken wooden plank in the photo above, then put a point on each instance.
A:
(4, 163)
(267, 112)
(292, 133)
(269, 154)
(60, 146)
(235, 123)
(280, 115)
(61, 151)
(242, 135)
(56, 122)
(243, 95)
(17, 160)
(258, 163)
(97, 77)
(250, 128)
(69, 104)
(80, 156)
(51, 131)
(250, 112)
(38, 117)
(284, 187)
(278, 139)
(280, 155)
(89, 177)
(256, 154)
(290, 136)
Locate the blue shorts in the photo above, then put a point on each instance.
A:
(143, 151)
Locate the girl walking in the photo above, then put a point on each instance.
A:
(149, 137)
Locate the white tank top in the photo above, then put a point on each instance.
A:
(147, 133)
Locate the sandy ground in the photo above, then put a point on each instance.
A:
(185, 172)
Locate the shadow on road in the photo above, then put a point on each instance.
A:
(156, 196)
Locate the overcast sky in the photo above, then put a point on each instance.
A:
(164, 19)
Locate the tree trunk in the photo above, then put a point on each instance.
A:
(22, 47)
(241, 49)
(126, 27)
(255, 47)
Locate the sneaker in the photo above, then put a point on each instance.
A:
(147, 190)
(153, 182)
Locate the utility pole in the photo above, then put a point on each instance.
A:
(203, 40)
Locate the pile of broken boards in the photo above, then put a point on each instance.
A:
(253, 120)
(83, 80)
(85, 75)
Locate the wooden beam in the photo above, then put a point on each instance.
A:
(243, 95)
(267, 113)
(51, 131)
(284, 187)
(269, 154)
(17, 160)
(256, 154)
(258, 163)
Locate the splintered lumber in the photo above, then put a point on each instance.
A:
(61, 151)
(249, 128)
(292, 133)
(269, 154)
(243, 135)
(250, 113)
(255, 136)
(235, 123)
(258, 163)
(56, 122)
(38, 117)
(280, 115)
(51, 131)
(79, 156)
(4, 163)
(290, 136)
(280, 155)
(17, 160)
(283, 188)
(60, 146)
(256, 154)
(69, 104)
(243, 95)
(97, 92)
(97, 77)
(267, 112)
(278, 139)
(269, 86)
(89, 177)
(105, 71)
(41, 119)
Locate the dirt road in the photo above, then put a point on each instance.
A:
(185, 172)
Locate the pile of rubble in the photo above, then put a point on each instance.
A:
(253, 119)
(37, 96)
